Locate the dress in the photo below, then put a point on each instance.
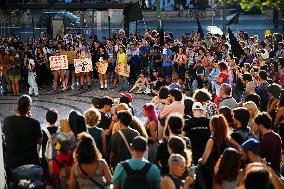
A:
(123, 68)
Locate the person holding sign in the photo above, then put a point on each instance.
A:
(59, 72)
(71, 55)
(122, 68)
(85, 54)
(102, 67)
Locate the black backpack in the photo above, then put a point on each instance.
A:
(136, 178)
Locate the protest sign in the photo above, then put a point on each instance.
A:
(83, 65)
(58, 62)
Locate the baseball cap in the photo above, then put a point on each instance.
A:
(251, 145)
(126, 95)
(197, 106)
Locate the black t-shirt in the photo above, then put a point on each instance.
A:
(105, 121)
(21, 136)
(198, 132)
(95, 54)
(162, 157)
(104, 56)
(254, 98)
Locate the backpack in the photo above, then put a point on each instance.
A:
(137, 178)
(50, 151)
(245, 134)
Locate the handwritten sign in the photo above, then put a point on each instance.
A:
(102, 66)
(83, 65)
(71, 55)
(58, 62)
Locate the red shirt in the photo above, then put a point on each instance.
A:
(270, 149)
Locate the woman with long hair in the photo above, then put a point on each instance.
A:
(217, 143)
(44, 70)
(122, 68)
(85, 53)
(177, 145)
(222, 78)
(14, 72)
(228, 114)
(226, 173)
(59, 73)
(253, 110)
(180, 61)
(274, 91)
(89, 169)
(151, 126)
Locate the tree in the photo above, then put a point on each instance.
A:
(248, 4)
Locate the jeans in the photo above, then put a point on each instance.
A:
(32, 83)
(122, 80)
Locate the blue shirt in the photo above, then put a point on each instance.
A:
(145, 50)
(120, 175)
(167, 52)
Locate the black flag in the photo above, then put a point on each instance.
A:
(162, 36)
(235, 45)
(235, 19)
(199, 30)
(133, 12)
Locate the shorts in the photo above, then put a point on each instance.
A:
(14, 77)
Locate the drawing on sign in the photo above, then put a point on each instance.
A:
(58, 62)
(83, 65)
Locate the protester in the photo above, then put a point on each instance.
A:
(120, 148)
(22, 135)
(89, 169)
(190, 76)
(270, 144)
(125, 174)
(226, 173)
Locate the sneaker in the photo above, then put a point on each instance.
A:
(89, 88)
(72, 87)
(101, 89)
(81, 88)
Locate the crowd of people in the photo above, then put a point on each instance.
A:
(215, 119)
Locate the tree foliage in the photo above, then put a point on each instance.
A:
(258, 4)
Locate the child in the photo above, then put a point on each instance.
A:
(141, 84)
(51, 118)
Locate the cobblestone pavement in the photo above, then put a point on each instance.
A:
(64, 102)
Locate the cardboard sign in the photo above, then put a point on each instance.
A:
(83, 65)
(71, 55)
(102, 66)
(58, 62)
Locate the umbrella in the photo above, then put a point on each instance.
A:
(214, 30)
